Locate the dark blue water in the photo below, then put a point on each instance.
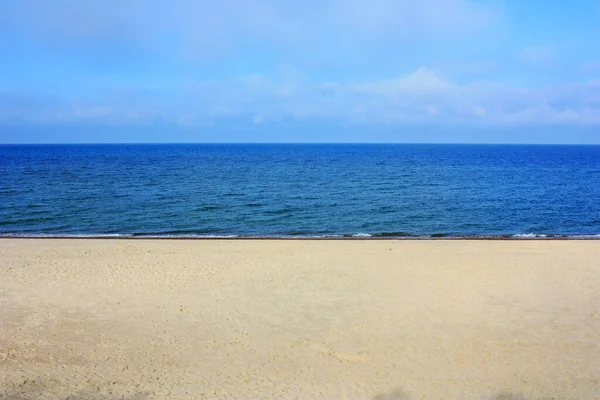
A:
(300, 190)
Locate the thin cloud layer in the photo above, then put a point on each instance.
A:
(421, 97)
(208, 27)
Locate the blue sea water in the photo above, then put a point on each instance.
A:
(300, 190)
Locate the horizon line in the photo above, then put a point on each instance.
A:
(296, 143)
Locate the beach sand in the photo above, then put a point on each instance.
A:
(287, 319)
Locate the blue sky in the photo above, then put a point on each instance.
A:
(524, 71)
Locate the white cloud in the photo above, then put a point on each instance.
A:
(479, 111)
(431, 111)
(421, 81)
(421, 97)
(258, 119)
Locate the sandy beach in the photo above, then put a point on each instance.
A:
(268, 319)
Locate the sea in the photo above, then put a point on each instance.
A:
(363, 191)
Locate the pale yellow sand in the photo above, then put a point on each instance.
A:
(111, 319)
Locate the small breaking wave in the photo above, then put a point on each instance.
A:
(66, 235)
(530, 235)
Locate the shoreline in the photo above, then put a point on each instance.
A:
(584, 237)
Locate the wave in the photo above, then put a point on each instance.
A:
(531, 235)
(555, 236)
(66, 235)
(362, 235)
(300, 235)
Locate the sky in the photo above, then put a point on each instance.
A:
(445, 71)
